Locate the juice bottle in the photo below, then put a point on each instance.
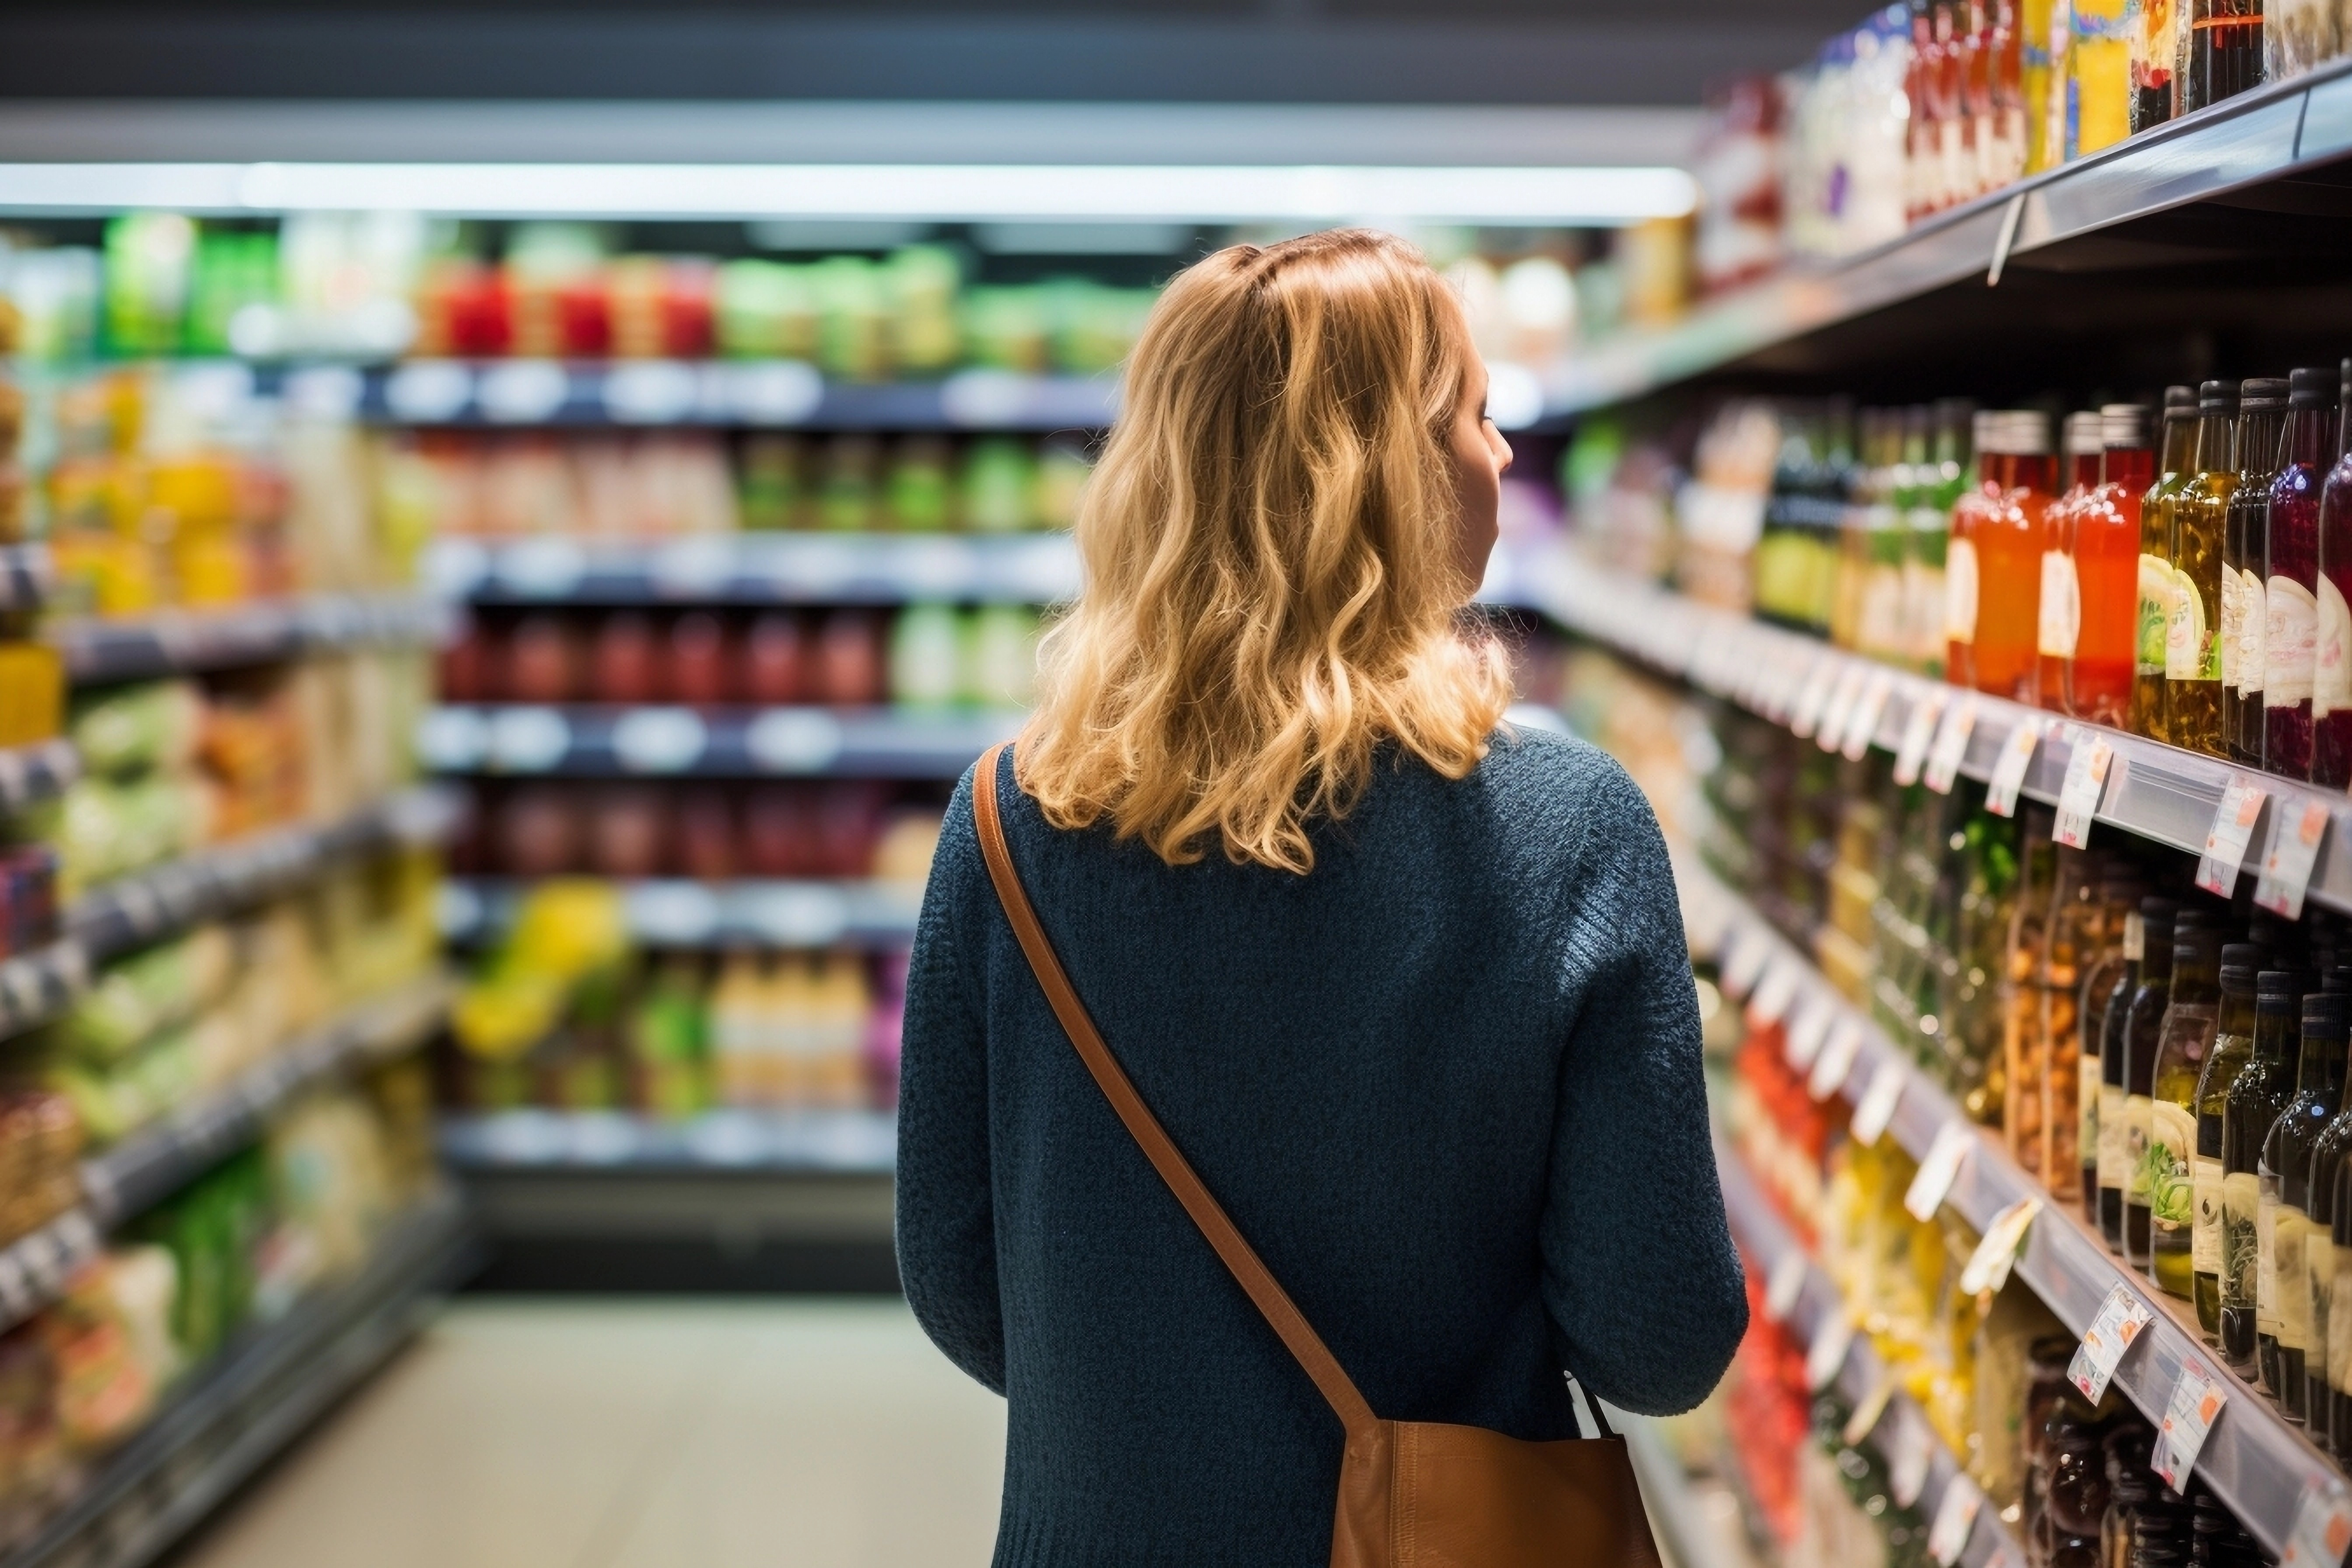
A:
(2154, 39)
(2174, 454)
(2182, 1040)
(2060, 623)
(2099, 76)
(2223, 51)
(2233, 1045)
(2010, 503)
(1963, 566)
(2262, 424)
(2331, 663)
(2104, 544)
(2290, 597)
(2192, 642)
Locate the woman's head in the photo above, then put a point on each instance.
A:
(1289, 517)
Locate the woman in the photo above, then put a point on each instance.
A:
(1408, 988)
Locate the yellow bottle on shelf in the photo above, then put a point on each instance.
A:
(2098, 78)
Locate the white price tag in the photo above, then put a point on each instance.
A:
(1745, 962)
(1875, 1110)
(1784, 1285)
(1865, 1419)
(1806, 715)
(1775, 991)
(2195, 1403)
(2294, 850)
(1808, 1029)
(1839, 711)
(1951, 747)
(1940, 1170)
(1910, 1450)
(2323, 1526)
(1863, 728)
(1988, 1266)
(1826, 1357)
(2226, 840)
(1836, 1060)
(1956, 1516)
(1927, 705)
(2087, 781)
(2009, 768)
(2121, 1318)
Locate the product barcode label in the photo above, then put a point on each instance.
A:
(1911, 1447)
(1808, 1028)
(1951, 747)
(2009, 768)
(1826, 1357)
(2195, 1403)
(1875, 1110)
(2087, 781)
(1938, 1171)
(1773, 994)
(2294, 850)
(2226, 840)
(1744, 961)
(2120, 1319)
(1820, 681)
(2323, 1526)
(1956, 1516)
(1784, 1285)
(1927, 705)
(1865, 1417)
(1862, 727)
(1989, 1266)
(1836, 1060)
(1839, 711)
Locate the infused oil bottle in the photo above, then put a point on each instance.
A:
(2285, 1181)
(2060, 624)
(2102, 547)
(2006, 528)
(2192, 641)
(2291, 589)
(2182, 1039)
(2256, 1097)
(2108, 1164)
(2174, 453)
(2232, 1047)
(2262, 425)
(2331, 659)
(2142, 1028)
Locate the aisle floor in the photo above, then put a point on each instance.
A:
(535, 1433)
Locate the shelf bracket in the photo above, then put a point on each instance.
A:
(2008, 219)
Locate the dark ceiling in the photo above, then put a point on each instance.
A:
(1299, 51)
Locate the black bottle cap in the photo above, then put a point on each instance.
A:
(2194, 942)
(2279, 990)
(2335, 977)
(2240, 962)
(2324, 1013)
(2310, 388)
(2179, 400)
(2217, 397)
(2262, 391)
(2157, 911)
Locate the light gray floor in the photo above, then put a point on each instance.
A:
(562, 1434)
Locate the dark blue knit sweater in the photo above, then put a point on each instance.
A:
(1447, 1084)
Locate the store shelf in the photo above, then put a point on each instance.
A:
(678, 913)
(855, 1141)
(2254, 1459)
(2155, 790)
(240, 1410)
(1696, 1521)
(2066, 220)
(1766, 1240)
(97, 650)
(737, 393)
(758, 569)
(710, 742)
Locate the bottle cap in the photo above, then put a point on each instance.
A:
(2087, 434)
(2263, 392)
(2240, 962)
(2311, 387)
(2181, 401)
(2324, 1013)
(2279, 990)
(2217, 397)
(2013, 432)
(2123, 424)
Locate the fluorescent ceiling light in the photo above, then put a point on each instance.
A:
(943, 192)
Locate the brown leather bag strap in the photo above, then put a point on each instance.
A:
(1284, 1317)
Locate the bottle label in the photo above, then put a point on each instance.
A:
(2331, 655)
(2139, 1131)
(2172, 1141)
(2205, 1245)
(2113, 1117)
(2266, 1272)
(2233, 626)
(2191, 651)
(1960, 592)
(2290, 642)
(2155, 614)
(2253, 635)
(2289, 1232)
(2061, 605)
(2240, 1198)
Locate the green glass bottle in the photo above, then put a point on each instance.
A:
(2283, 1179)
(2182, 1039)
(2257, 1096)
(2233, 1045)
(2141, 1028)
(2108, 1159)
(2192, 638)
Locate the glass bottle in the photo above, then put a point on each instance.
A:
(2182, 1040)
(2076, 922)
(2331, 660)
(2192, 642)
(2291, 552)
(2114, 1163)
(2283, 1184)
(2256, 1095)
(2224, 51)
(2061, 620)
(2104, 544)
(2141, 1028)
(2107, 976)
(2320, 1264)
(1963, 562)
(1940, 480)
(1879, 629)
(2262, 425)
(2155, 43)
(2339, 1318)
(2178, 449)
(2233, 1045)
(2005, 527)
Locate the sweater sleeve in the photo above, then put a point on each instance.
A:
(1643, 1286)
(945, 1218)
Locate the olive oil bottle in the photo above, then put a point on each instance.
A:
(2174, 450)
(2233, 1045)
(2283, 1176)
(2182, 1039)
(2142, 1027)
(2192, 638)
(2257, 1096)
(2114, 1164)
(2107, 989)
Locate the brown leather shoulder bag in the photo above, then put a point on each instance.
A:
(1413, 1494)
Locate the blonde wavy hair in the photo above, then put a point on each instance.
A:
(1273, 587)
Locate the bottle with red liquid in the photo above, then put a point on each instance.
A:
(2103, 541)
(2015, 469)
(2331, 670)
(2261, 446)
(2061, 620)
(2291, 591)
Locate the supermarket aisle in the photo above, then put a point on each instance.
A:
(709, 1434)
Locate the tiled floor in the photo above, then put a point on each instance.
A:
(568, 1434)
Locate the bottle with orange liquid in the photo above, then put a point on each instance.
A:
(2061, 621)
(2192, 639)
(2176, 451)
(2005, 527)
(2102, 542)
